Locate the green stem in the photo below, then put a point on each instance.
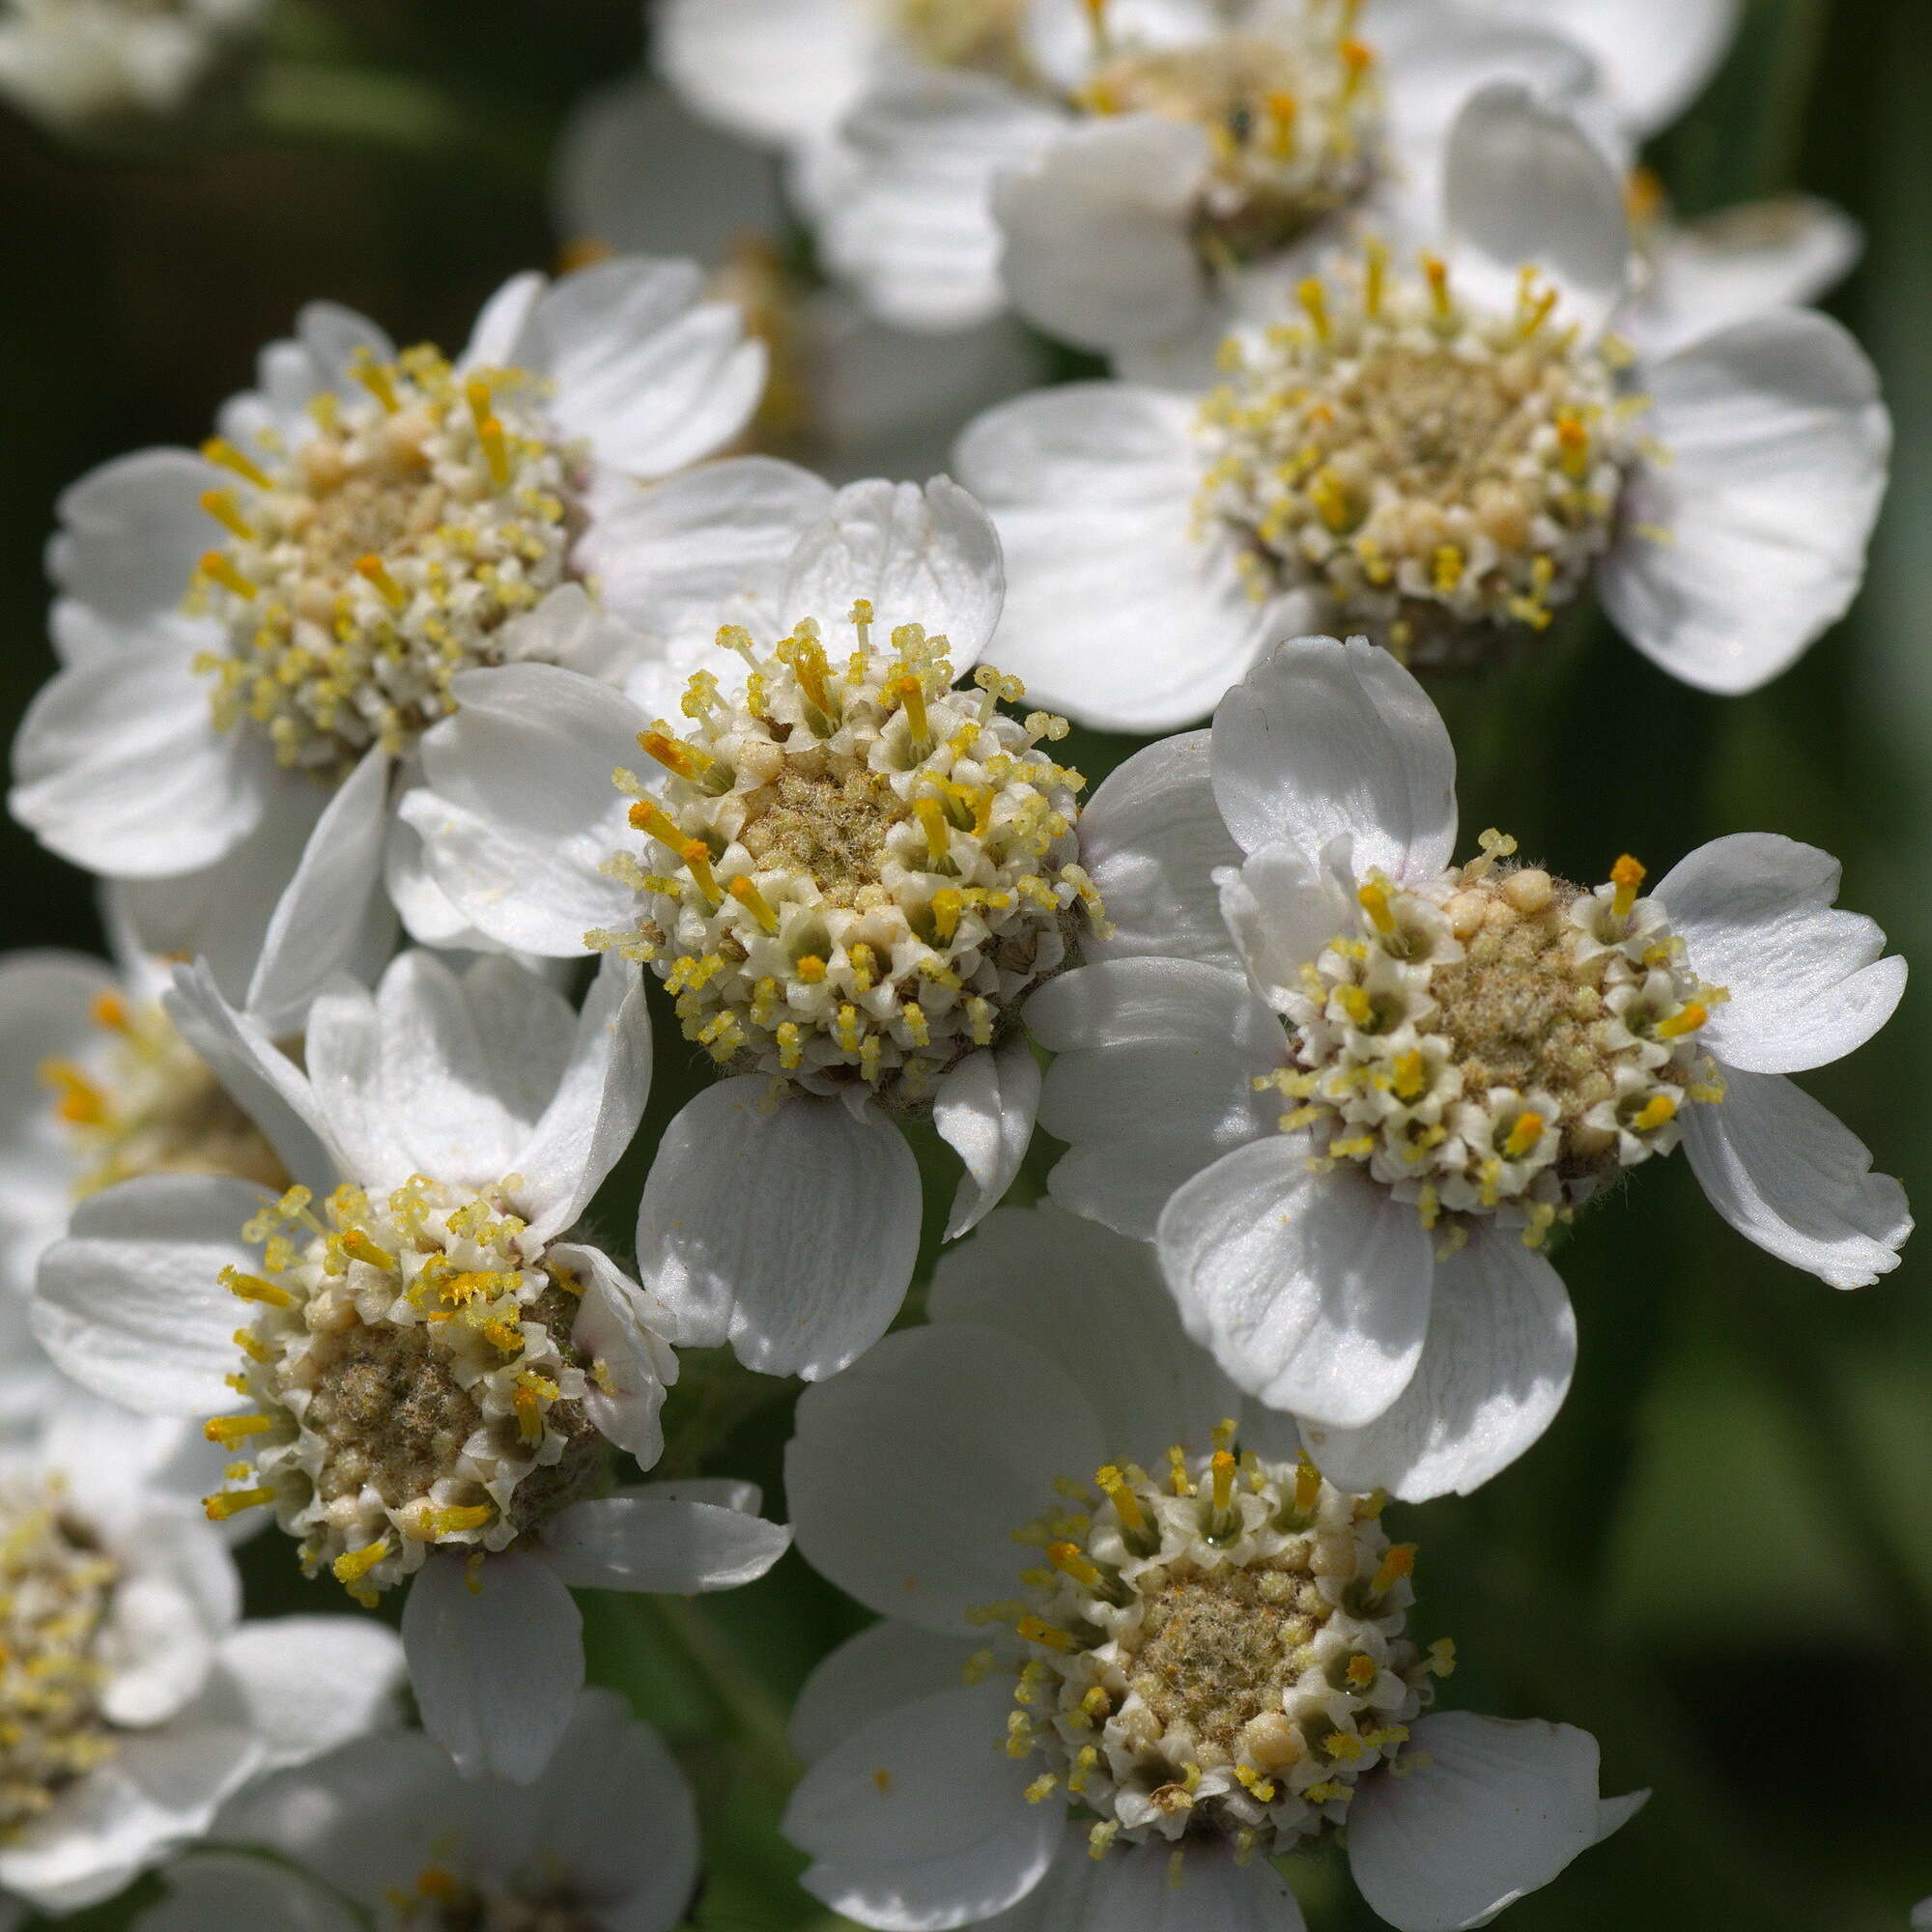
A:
(758, 1716)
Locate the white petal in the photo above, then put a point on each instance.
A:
(984, 1110)
(1750, 541)
(258, 1075)
(1323, 739)
(790, 1234)
(909, 1473)
(1312, 1289)
(1790, 1176)
(498, 333)
(211, 1889)
(1151, 839)
(1499, 1809)
(643, 1542)
(117, 768)
(177, 1598)
(918, 1822)
(1755, 912)
(131, 1304)
(1525, 186)
(1655, 54)
(707, 548)
(648, 373)
(313, 1684)
(335, 337)
(495, 1669)
(1282, 909)
(890, 1664)
(1495, 1369)
(1117, 612)
(919, 556)
(317, 922)
(1132, 1891)
(1109, 1322)
(779, 71)
(617, 1332)
(1737, 263)
(912, 225)
(1153, 1080)
(46, 1000)
(133, 533)
(1099, 244)
(519, 811)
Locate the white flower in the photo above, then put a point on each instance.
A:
(434, 1374)
(848, 396)
(95, 1086)
(851, 876)
(1210, 1667)
(605, 1841)
(1921, 1916)
(237, 720)
(1442, 460)
(75, 64)
(137, 1701)
(1351, 1116)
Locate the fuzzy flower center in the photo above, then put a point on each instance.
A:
(854, 872)
(152, 1106)
(364, 567)
(1217, 1655)
(444, 1900)
(56, 1587)
(1292, 117)
(1499, 1042)
(1443, 474)
(413, 1380)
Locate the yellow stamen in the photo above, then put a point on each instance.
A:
(80, 1102)
(353, 1565)
(697, 862)
(217, 568)
(1525, 1135)
(1314, 300)
(1659, 1111)
(375, 572)
(1031, 1629)
(931, 817)
(746, 891)
(1222, 1469)
(218, 450)
(1687, 1019)
(232, 1502)
(453, 1520)
(1375, 900)
(1395, 1566)
(252, 1288)
(110, 1011)
(1307, 1486)
(686, 761)
(220, 505)
(1573, 440)
(229, 1430)
(1437, 271)
(1070, 1560)
(1282, 111)
(910, 694)
(357, 1246)
(1126, 1505)
(377, 378)
(1626, 875)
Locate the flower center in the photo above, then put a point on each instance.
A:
(380, 556)
(1218, 1654)
(413, 1377)
(442, 1901)
(986, 36)
(873, 869)
(1442, 473)
(1293, 116)
(153, 1107)
(55, 1590)
(1499, 1040)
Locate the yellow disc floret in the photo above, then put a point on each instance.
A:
(852, 871)
(1218, 1654)
(361, 568)
(411, 1380)
(56, 1587)
(1443, 474)
(1499, 1040)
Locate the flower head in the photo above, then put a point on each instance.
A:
(1443, 1062)
(1443, 452)
(388, 1827)
(849, 868)
(1129, 1649)
(433, 1378)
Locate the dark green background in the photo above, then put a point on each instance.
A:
(1721, 1557)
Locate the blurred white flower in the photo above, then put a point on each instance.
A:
(137, 1699)
(1207, 1668)
(1352, 1114)
(849, 873)
(434, 1373)
(605, 1841)
(1110, 168)
(238, 720)
(848, 396)
(1921, 1916)
(1441, 459)
(76, 64)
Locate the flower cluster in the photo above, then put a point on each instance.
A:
(594, 935)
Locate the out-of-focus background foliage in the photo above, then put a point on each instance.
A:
(1721, 1557)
